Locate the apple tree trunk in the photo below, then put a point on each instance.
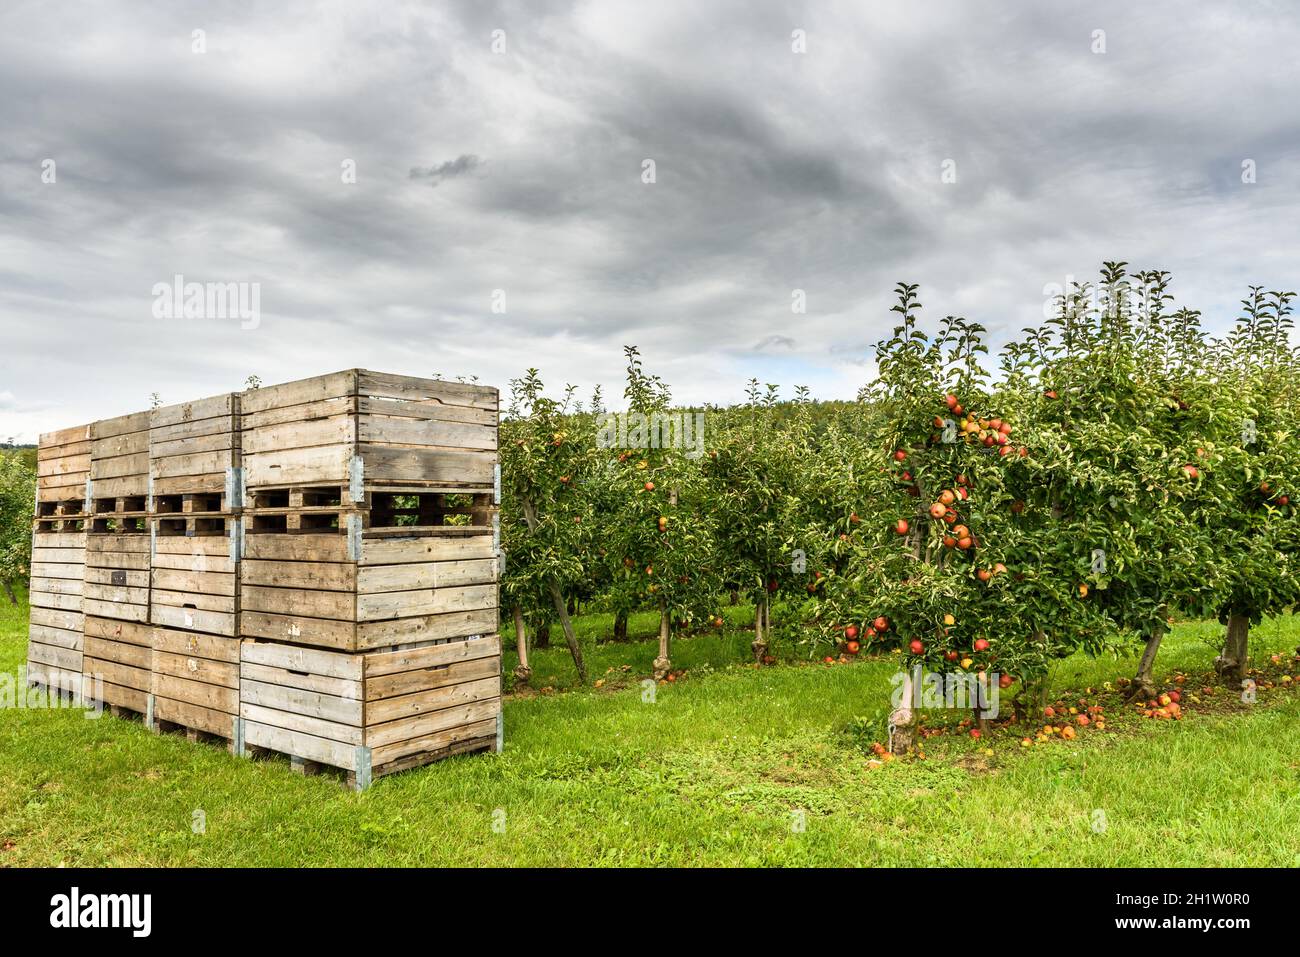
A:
(1231, 664)
(1144, 682)
(759, 644)
(663, 664)
(620, 626)
(522, 672)
(9, 591)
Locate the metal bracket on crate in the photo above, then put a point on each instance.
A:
(496, 484)
(240, 750)
(236, 539)
(363, 770)
(148, 713)
(148, 499)
(153, 538)
(501, 563)
(496, 531)
(354, 537)
(501, 733)
(357, 479)
(235, 487)
(89, 504)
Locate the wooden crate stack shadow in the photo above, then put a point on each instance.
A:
(369, 572)
(58, 570)
(196, 491)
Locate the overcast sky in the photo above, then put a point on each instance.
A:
(521, 169)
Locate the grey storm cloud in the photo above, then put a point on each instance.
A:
(465, 163)
(984, 152)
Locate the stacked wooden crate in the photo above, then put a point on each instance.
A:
(58, 570)
(118, 639)
(368, 582)
(196, 495)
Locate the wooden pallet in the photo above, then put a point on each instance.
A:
(372, 713)
(366, 428)
(355, 593)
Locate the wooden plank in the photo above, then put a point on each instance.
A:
(76, 540)
(339, 430)
(412, 389)
(121, 425)
(209, 546)
(108, 609)
(194, 463)
(338, 687)
(385, 430)
(115, 673)
(115, 544)
(52, 570)
(59, 637)
(119, 652)
(405, 464)
(64, 602)
(434, 548)
(106, 576)
(209, 622)
(59, 556)
(386, 578)
(203, 583)
(114, 593)
(433, 699)
(66, 659)
(312, 704)
(380, 664)
(197, 601)
(404, 631)
(323, 576)
(427, 679)
(295, 548)
(112, 693)
(410, 604)
(302, 745)
(57, 618)
(119, 466)
(300, 392)
(129, 486)
(325, 464)
(65, 465)
(308, 660)
(394, 731)
(56, 586)
(195, 564)
(302, 723)
(322, 632)
(302, 602)
(189, 715)
(392, 756)
(303, 412)
(192, 644)
(183, 413)
(194, 668)
(68, 436)
(466, 415)
(130, 632)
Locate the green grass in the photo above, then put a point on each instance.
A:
(710, 773)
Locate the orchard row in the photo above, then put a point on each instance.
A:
(1118, 466)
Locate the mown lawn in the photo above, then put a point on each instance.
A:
(718, 770)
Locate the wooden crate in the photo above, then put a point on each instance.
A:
(368, 430)
(195, 683)
(194, 456)
(368, 589)
(117, 663)
(193, 579)
(117, 576)
(119, 466)
(62, 471)
(54, 650)
(371, 713)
